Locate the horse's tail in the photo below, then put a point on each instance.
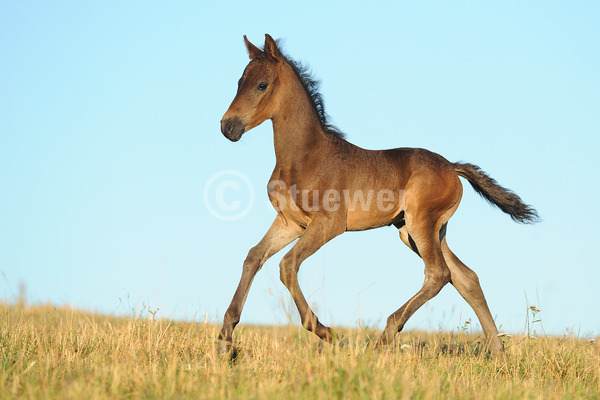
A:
(504, 199)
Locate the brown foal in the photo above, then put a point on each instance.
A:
(323, 185)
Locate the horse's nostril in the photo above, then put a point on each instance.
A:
(226, 126)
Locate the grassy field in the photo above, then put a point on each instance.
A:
(48, 352)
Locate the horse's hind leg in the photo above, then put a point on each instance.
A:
(467, 284)
(424, 240)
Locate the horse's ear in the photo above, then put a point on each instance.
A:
(271, 49)
(253, 51)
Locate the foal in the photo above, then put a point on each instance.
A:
(323, 185)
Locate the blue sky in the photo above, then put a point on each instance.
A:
(109, 134)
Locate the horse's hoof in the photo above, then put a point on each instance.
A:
(224, 347)
(228, 351)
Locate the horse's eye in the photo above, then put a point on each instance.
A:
(262, 86)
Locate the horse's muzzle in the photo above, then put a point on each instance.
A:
(233, 128)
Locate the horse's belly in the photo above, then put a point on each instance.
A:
(362, 220)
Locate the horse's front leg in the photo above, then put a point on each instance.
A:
(277, 237)
(318, 232)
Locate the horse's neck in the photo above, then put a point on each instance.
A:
(297, 133)
(294, 141)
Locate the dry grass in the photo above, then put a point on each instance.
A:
(48, 352)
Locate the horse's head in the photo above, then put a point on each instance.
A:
(256, 99)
